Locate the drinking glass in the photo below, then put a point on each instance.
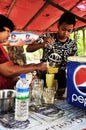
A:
(49, 80)
(48, 95)
(37, 92)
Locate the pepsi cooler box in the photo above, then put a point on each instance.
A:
(76, 81)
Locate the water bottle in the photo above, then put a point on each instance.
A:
(22, 99)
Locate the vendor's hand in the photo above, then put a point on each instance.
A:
(48, 40)
(42, 66)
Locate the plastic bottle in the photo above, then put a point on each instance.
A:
(22, 99)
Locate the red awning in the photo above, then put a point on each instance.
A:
(42, 15)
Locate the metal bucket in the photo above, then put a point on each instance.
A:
(7, 100)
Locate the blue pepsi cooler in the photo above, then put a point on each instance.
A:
(76, 81)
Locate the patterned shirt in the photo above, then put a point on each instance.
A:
(60, 51)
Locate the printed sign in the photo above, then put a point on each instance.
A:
(21, 38)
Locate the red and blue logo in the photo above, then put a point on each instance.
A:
(79, 79)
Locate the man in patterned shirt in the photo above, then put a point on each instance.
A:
(63, 46)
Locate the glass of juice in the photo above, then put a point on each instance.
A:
(49, 80)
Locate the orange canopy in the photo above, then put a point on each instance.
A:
(42, 15)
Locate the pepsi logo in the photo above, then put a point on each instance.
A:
(79, 79)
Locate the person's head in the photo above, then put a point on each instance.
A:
(6, 26)
(66, 24)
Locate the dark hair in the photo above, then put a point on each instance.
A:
(6, 22)
(68, 18)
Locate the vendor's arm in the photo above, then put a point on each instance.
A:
(10, 70)
(35, 45)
